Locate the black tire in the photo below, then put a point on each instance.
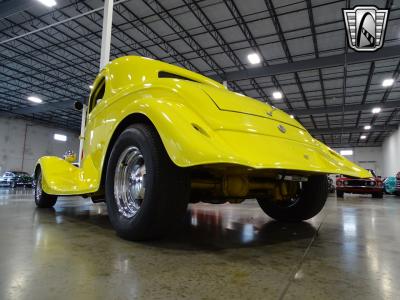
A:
(42, 199)
(377, 195)
(339, 194)
(309, 203)
(166, 187)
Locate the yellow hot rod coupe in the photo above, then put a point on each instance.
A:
(158, 136)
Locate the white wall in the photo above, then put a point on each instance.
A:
(367, 157)
(20, 153)
(391, 154)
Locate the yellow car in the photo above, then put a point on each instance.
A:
(158, 136)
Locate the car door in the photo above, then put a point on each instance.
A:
(94, 131)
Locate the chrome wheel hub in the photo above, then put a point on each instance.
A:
(129, 182)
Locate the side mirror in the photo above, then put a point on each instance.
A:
(78, 105)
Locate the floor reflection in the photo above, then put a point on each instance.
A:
(204, 226)
(217, 250)
(221, 229)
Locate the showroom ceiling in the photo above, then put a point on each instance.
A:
(328, 87)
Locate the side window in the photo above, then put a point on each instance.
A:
(163, 74)
(97, 94)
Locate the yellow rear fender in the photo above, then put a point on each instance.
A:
(186, 136)
(191, 139)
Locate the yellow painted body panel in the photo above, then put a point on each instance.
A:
(199, 121)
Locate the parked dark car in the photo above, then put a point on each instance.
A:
(331, 186)
(16, 178)
(372, 186)
(397, 192)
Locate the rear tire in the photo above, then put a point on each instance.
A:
(310, 201)
(339, 194)
(146, 193)
(42, 199)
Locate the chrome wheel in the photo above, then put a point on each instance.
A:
(129, 183)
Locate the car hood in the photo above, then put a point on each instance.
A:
(234, 102)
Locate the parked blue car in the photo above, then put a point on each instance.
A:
(390, 185)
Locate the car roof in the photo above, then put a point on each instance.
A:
(138, 66)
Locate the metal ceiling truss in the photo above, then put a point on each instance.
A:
(59, 62)
(313, 64)
(240, 22)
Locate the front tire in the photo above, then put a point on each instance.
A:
(377, 195)
(146, 193)
(42, 199)
(339, 194)
(309, 202)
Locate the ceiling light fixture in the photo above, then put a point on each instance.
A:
(367, 127)
(48, 3)
(387, 82)
(363, 137)
(60, 137)
(277, 95)
(35, 99)
(376, 110)
(254, 58)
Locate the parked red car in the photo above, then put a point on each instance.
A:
(373, 186)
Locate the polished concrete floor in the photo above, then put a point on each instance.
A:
(351, 250)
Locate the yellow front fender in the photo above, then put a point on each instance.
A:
(60, 177)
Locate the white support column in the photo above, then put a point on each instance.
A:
(104, 58)
(82, 135)
(106, 34)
